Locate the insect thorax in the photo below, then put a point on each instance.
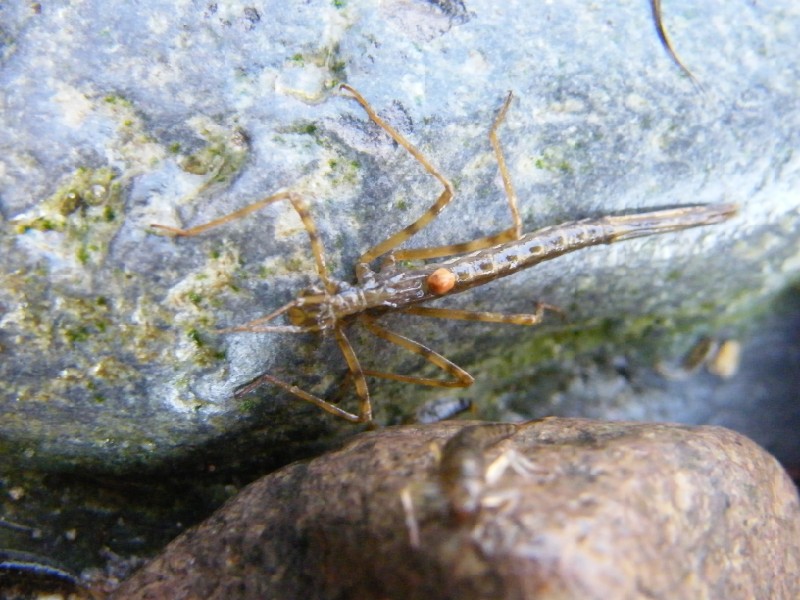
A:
(312, 308)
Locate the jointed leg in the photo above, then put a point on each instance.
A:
(460, 377)
(512, 233)
(486, 317)
(300, 206)
(401, 236)
(444, 198)
(356, 373)
(655, 6)
(515, 231)
(296, 391)
(258, 325)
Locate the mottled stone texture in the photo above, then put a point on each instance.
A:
(587, 510)
(116, 116)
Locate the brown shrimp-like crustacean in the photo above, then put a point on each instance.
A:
(464, 482)
(336, 305)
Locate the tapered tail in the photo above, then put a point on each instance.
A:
(662, 221)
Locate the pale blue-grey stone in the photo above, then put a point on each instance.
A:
(118, 116)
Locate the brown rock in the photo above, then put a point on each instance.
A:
(558, 508)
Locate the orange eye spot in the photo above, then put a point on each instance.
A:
(441, 281)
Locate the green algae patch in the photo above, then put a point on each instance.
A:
(649, 337)
(195, 300)
(343, 172)
(87, 210)
(553, 160)
(207, 350)
(310, 76)
(133, 142)
(221, 158)
(86, 345)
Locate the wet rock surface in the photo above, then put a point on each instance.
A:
(110, 354)
(118, 425)
(564, 508)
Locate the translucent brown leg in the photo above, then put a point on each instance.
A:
(300, 393)
(356, 374)
(512, 233)
(300, 206)
(258, 325)
(442, 201)
(486, 317)
(401, 236)
(460, 377)
(655, 6)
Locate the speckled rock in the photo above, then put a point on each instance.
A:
(563, 508)
(114, 116)
(118, 117)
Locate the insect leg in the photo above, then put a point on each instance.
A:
(487, 317)
(355, 372)
(515, 231)
(257, 325)
(300, 206)
(460, 378)
(444, 198)
(655, 6)
(296, 391)
(512, 233)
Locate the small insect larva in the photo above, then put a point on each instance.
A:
(335, 305)
(462, 469)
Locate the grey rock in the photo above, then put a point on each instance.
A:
(118, 117)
